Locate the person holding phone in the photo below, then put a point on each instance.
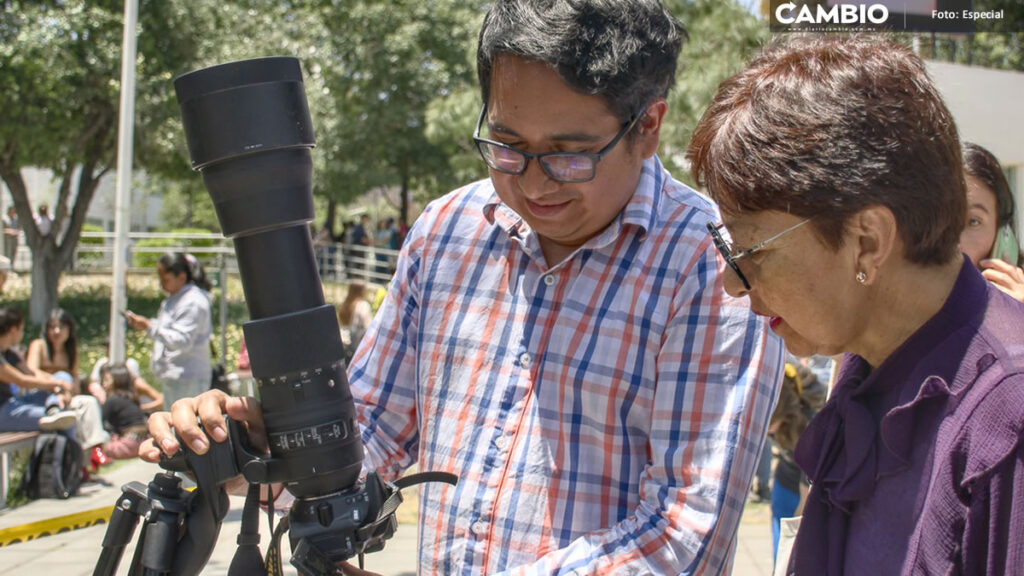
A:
(180, 332)
(988, 238)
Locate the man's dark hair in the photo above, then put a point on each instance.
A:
(10, 318)
(624, 51)
(826, 126)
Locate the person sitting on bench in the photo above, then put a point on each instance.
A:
(38, 405)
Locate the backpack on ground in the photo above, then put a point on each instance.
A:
(55, 469)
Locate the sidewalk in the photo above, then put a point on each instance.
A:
(75, 553)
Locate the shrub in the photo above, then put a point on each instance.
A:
(88, 257)
(149, 259)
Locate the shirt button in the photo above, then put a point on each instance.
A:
(524, 359)
(549, 280)
(501, 442)
(479, 528)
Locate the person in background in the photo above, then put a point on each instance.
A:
(55, 352)
(801, 397)
(557, 335)
(150, 399)
(44, 223)
(122, 413)
(5, 271)
(990, 211)
(362, 244)
(361, 232)
(56, 349)
(40, 405)
(12, 231)
(180, 332)
(761, 488)
(382, 240)
(843, 228)
(354, 316)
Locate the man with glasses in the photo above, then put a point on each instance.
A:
(558, 335)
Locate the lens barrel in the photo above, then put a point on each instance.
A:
(249, 132)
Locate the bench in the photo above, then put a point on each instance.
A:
(11, 442)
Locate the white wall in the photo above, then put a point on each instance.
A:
(988, 106)
(42, 188)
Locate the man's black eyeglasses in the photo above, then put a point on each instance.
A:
(731, 258)
(568, 167)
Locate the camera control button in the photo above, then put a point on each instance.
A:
(324, 514)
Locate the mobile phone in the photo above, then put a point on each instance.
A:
(1005, 246)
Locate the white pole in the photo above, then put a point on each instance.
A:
(122, 204)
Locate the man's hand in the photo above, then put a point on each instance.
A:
(1006, 277)
(209, 408)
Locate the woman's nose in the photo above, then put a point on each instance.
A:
(733, 284)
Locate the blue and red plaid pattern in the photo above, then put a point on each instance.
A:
(604, 415)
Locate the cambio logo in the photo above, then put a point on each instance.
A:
(838, 14)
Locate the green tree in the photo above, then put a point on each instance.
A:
(724, 35)
(388, 62)
(60, 67)
(59, 93)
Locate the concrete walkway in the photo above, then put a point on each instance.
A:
(75, 553)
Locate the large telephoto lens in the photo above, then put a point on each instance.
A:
(248, 130)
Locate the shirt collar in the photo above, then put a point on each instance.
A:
(639, 212)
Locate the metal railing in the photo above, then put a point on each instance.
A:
(338, 262)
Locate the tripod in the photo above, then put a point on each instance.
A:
(169, 511)
(181, 527)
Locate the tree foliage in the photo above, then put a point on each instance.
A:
(724, 35)
(388, 63)
(59, 97)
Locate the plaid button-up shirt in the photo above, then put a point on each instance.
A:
(604, 415)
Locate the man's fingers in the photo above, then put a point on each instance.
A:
(148, 451)
(210, 409)
(248, 411)
(162, 438)
(198, 420)
(184, 414)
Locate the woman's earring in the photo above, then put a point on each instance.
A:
(862, 278)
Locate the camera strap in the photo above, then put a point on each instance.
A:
(247, 559)
(275, 566)
(394, 499)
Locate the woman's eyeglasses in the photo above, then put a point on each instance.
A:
(726, 250)
(568, 167)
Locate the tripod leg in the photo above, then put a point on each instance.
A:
(130, 506)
